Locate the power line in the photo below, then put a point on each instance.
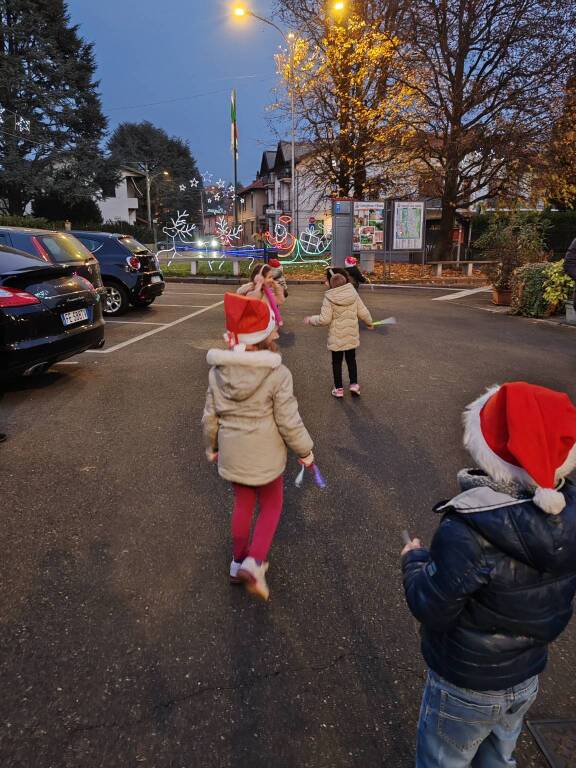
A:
(186, 98)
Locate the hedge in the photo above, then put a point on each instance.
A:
(560, 228)
(143, 234)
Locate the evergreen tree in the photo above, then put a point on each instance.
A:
(144, 146)
(57, 208)
(51, 121)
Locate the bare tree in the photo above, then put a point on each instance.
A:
(487, 76)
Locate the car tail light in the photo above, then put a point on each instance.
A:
(12, 297)
(40, 250)
(133, 262)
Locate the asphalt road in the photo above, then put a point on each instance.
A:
(122, 643)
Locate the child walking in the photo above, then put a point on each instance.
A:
(250, 420)
(341, 309)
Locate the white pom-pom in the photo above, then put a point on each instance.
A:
(550, 501)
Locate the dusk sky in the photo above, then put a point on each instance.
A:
(188, 54)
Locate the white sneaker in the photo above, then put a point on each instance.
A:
(254, 577)
(234, 568)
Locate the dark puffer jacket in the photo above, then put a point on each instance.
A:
(495, 589)
(570, 260)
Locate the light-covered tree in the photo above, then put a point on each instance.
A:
(348, 98)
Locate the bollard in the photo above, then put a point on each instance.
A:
(193, 267)
(236, 267)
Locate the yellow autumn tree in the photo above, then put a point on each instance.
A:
(348, 100)
(560, 175)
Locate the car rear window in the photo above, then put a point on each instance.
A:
(14, 262)
(64, 248)
(133, 245)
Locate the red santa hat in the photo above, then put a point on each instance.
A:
(350, 261)
(248, 321)
(526, 434)
(274, 263)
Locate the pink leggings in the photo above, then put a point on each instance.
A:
(245, 496)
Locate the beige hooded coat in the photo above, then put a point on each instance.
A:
(251, 416)
(341, 309)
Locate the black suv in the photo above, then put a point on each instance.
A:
(130, 272)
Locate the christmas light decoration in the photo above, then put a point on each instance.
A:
(309, 247)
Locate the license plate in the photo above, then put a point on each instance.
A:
(69, 318)
(156, 279)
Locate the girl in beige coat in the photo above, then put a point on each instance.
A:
(341, 310)
(250, 420)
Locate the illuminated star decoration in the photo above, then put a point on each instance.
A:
(216, 197)
(182, 187)
(221, 184)
(207, 177)
(193, 183)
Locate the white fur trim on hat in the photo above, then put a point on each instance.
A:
(475, 443)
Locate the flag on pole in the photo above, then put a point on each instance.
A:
(234, 126)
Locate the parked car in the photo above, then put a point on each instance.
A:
(48, 312)
(55, 248)
(130, 272)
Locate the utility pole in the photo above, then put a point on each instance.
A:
(235, 154)
(148, 201)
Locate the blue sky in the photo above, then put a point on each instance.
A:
(149, 51)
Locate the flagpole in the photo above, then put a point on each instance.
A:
(235, 156)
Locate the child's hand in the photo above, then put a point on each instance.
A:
(211, 455)
(370, 327)
(306, 321)
(414, 544)
(307, 461)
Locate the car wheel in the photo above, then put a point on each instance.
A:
(117, 301)
(144, 302)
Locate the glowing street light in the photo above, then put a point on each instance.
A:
(339, 6)
(241, 11)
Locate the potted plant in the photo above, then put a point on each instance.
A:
(509, 242)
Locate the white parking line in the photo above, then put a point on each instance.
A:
(131, 322)
(67, 362)
(123, 344)
(182, 306)
(462, 294)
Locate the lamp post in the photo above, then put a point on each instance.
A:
(149, 180)
(241, 11)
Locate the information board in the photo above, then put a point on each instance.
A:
(368, 227)
(408, 226)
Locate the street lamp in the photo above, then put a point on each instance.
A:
(339, 6)
(241, 11)
(149, 180)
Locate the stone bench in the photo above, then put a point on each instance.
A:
(466, 266)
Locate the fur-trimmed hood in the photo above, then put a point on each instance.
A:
(343, 295)
(239, 373)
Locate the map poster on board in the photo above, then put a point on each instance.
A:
(368, 227)
(408, 226)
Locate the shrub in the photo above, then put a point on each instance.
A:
(528, 284)
(511, 241)
(30, 221)
(558, 286)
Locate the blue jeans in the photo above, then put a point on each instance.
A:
(459, 728)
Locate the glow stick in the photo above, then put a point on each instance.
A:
(300, 477)
(387, 321)
(320, 482)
